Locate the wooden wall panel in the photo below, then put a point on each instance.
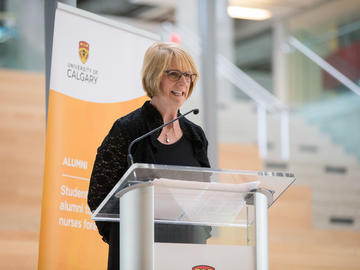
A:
(22, 139)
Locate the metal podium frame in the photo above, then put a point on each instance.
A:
(135, 193)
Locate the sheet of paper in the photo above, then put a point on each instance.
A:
(203, 202)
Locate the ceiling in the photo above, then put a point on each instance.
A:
(158, 11)
(163, 10)
(154, 11)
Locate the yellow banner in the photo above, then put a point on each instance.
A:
(95, 79)
(69, 239)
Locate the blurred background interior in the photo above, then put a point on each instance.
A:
(287, 100)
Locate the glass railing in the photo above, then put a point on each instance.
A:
(22, 36)
(325, 81)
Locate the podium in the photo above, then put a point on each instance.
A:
(162, 194)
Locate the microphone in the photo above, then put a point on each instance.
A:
(130, 158)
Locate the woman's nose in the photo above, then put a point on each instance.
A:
(182, 79)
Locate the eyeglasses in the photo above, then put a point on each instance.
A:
(175, 75)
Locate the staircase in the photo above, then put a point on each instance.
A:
(340, 118)
(317, 162)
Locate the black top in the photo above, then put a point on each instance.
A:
(111, 163)
(111, 159)
(179, 153)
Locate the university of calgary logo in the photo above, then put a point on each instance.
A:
(203, 267)
(83, 51)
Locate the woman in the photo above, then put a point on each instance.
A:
(169, 76)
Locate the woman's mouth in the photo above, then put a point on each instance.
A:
(177, 93)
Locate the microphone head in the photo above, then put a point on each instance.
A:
(196, 111)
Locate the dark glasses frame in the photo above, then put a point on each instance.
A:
(175, 75)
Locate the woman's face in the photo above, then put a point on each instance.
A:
(174, 89)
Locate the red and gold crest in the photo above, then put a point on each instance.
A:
(203, 267)
(84, 51)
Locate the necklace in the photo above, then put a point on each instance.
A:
(171, 133)
(167, 138)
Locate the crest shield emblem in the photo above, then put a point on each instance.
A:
(203, 267)
(84, 51)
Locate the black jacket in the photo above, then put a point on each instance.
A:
(111, 158)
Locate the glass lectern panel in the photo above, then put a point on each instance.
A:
(198, 196)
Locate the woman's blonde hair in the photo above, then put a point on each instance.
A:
(158, 58)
